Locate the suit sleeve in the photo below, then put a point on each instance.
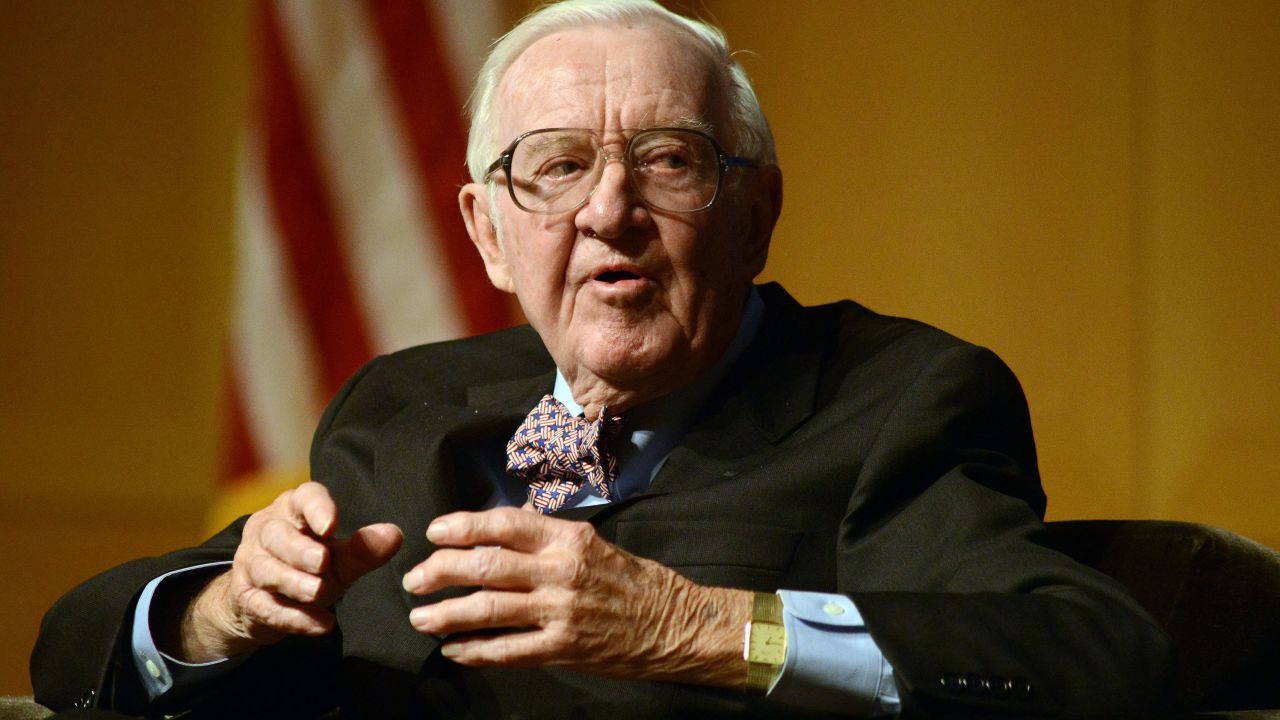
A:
(944, 551)
(82, 654)
(81, 657)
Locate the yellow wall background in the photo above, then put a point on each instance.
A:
(1089, 188)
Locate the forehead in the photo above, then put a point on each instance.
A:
(608, 77)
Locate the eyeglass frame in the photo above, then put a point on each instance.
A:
(724, 160)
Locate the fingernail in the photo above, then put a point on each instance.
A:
(420, 616)
(438, 531)
(412, 580)
(311, 586)
(450, 650)
(312, 557)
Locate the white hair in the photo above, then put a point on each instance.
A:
(748, 131)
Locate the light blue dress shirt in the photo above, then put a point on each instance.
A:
(832, 665)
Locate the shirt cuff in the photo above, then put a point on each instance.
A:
(159, 672)
(833, 664)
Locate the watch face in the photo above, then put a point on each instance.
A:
(768, 643)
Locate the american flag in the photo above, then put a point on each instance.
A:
(349, 240)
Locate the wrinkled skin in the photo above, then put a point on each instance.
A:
(287, 571)
(583, 603)
(620, 341)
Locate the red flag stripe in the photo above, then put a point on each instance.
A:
(354, 156)
(304, 216)
(430, 119)
(240, 456)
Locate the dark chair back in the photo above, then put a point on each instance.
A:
(1216, 593)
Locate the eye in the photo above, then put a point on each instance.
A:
(673, 160)
(563, 168)
(554, 158)
(664, 158)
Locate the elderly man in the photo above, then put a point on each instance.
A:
(721, 504)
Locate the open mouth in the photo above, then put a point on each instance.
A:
(613, 276)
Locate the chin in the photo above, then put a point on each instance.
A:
(633, 360)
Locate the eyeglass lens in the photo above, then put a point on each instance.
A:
(556, 170)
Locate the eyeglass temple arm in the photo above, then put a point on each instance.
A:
(497, 165)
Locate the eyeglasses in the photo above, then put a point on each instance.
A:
(555, 170)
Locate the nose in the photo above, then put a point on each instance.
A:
(615, 205)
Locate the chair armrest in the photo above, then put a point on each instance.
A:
(22, 708)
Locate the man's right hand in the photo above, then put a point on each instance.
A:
(287, 572)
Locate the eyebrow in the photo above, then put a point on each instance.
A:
(544, 142)
(686, 123)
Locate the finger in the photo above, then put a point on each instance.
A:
(370, 547)
(489, 566)
(293, 546)
(482, 610)
(267, 573)
(311, 504)
(282, 615)
(523, 648)
(508, 527)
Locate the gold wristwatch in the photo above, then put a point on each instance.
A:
(764, 646)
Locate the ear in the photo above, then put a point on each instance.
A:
(765, 203)
(473, 201)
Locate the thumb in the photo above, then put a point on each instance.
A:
(370, 547)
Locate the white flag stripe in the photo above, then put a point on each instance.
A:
(465, 29)
(397, 269)
(272, 357)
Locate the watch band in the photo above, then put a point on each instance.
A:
(764, 644)
(766, 608)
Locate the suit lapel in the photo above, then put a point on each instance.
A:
(767, 393)
(439, 457)
(434, 458)
(511, 396)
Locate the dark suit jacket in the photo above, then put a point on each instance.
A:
(845, 451)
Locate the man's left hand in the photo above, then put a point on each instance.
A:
(557, 594)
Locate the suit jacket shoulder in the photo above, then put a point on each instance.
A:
(435, 373)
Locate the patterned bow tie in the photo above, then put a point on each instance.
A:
(557, 452)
